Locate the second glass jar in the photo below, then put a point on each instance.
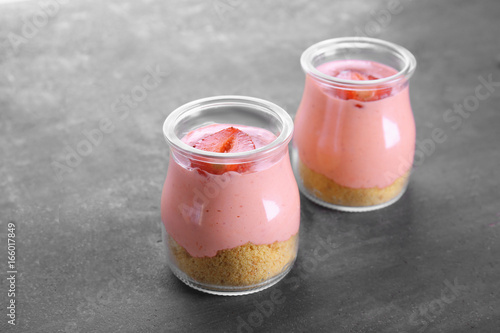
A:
(354, 130)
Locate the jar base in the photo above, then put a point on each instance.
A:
(221, 289)
(226, 290)
(357, 200)
(350, 209)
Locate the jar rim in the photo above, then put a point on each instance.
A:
(306, 60)
(270, 108)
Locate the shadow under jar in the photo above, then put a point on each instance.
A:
(354, 135)
(231, 218)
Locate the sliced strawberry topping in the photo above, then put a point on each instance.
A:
(361, 95)
(228, 140)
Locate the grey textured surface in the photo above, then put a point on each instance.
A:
(88, 236)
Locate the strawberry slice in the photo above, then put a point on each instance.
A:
(361, 95)
(228, 140)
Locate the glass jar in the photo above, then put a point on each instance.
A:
(231, 219)
(354, 135)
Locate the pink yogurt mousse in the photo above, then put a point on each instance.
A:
(356, 144)
(206, 213)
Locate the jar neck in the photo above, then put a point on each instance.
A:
(237, 110)
(393, 56)
(258, 161)
(395, 86)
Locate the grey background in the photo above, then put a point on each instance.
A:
(88, 239)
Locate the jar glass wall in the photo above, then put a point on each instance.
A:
(231, 219)
(354, 130)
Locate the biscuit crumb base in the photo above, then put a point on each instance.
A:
(243, 265)
(329, 191)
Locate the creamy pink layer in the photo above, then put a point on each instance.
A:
(356, 144)
(206, 213)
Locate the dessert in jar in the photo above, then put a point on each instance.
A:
(230, 204)
(354, 135)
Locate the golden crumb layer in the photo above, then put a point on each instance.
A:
(243, 265)
(327, 190)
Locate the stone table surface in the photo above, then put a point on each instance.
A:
(85, 205)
